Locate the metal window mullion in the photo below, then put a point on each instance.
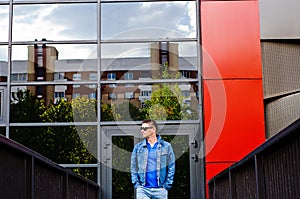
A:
(148, 81)
(139, 1)
(112, 41)
(99, 127)
(201, 180)
(109, 41)
(79, 165)
(130, 123)
(53, 2)
(46, 42)
(47, 124)
(9, 66)
(50, 83)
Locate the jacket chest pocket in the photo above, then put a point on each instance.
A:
(142, 159)
(164, 158)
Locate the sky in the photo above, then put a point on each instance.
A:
(62, 22)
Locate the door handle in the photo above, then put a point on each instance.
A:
(194, 143)
(195, 157)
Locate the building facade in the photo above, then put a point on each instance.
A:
(225, 57)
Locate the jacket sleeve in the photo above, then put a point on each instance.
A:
(170, 169)
(134, 169)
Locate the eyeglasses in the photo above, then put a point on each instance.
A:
(146, 128)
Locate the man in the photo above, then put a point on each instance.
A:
(152, 164)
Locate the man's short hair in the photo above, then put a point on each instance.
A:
(152, 122)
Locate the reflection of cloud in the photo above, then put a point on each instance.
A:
(55, 22)
(3, 53)
(185, 49)
(81, 20)
(192, 15)
(34, 22)
(65, 51)
(3, 23)
(168, 16)
(148, 20)
(77, 51)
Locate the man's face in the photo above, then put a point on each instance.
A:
(147, 130)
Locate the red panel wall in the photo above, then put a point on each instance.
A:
(232, 72)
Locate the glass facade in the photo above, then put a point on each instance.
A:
(68, 69)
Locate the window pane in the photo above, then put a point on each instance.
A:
(3, 64)
(76, 77)
(180, 145)
(111, 76)
(30, 100)
(121, 153)
(148, 20)
(1, 104)
(2, 131)
(128, 76)
(62, 61)
(4, 23)
(61, 144)
(145, 60)
(71, 53)
(3, 53)
(54, 22)
(93, 76)
(59, 76)
(165, 101)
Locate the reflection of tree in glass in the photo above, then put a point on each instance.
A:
(166, 102)
(181, 186)
(61, 144)
(121, 180)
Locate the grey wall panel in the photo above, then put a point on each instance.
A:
(281, 113)
(279, 19)
(281, 68)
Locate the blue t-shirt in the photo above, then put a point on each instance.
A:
(151, 174)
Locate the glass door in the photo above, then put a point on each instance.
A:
(117, 144)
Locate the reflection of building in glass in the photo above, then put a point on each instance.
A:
(121, 76)
(41, 59)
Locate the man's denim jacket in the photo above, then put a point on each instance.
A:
(165, 164)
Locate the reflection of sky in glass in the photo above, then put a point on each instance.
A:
(60, 22)
(65, 51)
(4, 23)
(55, 22)
(185, 49)
(3, 53)
(148, 20)
(125, 50)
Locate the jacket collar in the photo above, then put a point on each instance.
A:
(159, 140)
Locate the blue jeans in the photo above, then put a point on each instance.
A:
(151, 193)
